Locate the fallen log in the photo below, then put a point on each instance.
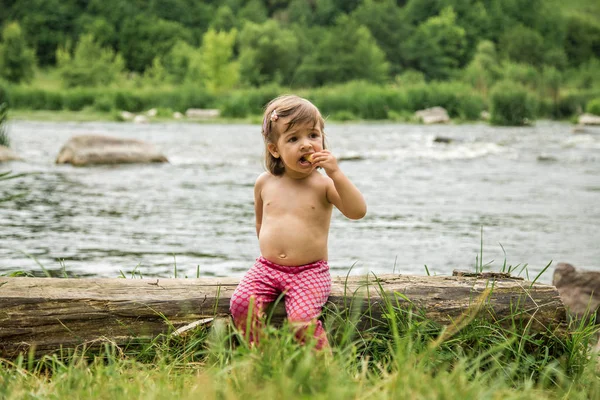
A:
(49, 313)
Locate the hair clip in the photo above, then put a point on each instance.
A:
(274, 116)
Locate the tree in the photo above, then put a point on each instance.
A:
(90, 64)
(325, 12)
(551, 83)
(523, 45)
(224, 19)
(484, 70)
(437, 46)
(582, 41)
(301, 12)
(177, 61)
(268, 53)
(157, 74)
(218, 72)
(254, 11)
(145, 37)
(102, 30)
(47, 24)
(16, 59)
(347, 52)
(385, 22)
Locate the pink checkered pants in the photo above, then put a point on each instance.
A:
(306, 289)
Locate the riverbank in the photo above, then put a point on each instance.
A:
(99, 116)
(89, 115)
(353, 101)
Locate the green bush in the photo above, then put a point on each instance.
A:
(471, 105)
(128, 101)
(343, 116)
(4, 98)
(4, 139)
(361, 99)
(418, 97)
(78, 99)
(593, 107)
(54, 101)
(28, 98)
(196, 98)
(511, 105)
(243, 103)
(236, 105)
(576, 102)
(104, 103)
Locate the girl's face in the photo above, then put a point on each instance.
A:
(295, 144)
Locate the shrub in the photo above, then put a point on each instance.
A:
(90, 64)
(511, 105)
(575, 103)
(470, 106)
(78, 99)
(343, 116)
(3, 94)
(54, 101)
(236, 105)
(17, 60)
(28, 98)
(593, 107)
(240, 104)
(4, 139)
(104, 103)
(128, 101)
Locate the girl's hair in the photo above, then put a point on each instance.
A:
(299, 111)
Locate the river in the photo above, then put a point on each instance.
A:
(533, 191)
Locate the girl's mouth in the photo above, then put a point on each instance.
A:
(306, 159)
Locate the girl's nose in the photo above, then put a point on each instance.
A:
(305, 144)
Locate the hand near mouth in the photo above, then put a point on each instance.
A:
(325, 160)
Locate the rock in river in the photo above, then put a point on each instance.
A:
(85, 150)
(7, 154)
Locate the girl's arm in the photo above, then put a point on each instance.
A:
(258, 203)
(341, 192)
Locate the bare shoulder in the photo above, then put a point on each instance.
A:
(322, 179)
(262, 179)
(323, 182)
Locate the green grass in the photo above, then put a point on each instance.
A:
(409, 357)
(89, 115)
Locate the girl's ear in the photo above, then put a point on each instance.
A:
(273, 150)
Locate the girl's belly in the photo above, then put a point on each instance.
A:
(292, 245)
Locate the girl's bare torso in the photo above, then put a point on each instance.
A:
(295, 218)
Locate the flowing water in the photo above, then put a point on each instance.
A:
(535, 192)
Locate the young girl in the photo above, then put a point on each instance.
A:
(293, 205)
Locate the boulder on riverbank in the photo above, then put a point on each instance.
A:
(7, 154)
(588, 119)
(202, 113)
(579, 289)
(433, 115)
(85, 150)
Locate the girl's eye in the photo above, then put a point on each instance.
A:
(314, 135)
(292, 139)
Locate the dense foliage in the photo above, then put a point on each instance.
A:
(4, 139)
(551, 48)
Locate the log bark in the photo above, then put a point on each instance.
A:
(49, 313)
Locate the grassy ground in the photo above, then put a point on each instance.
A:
(411, 359)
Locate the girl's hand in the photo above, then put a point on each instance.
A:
(325, 160)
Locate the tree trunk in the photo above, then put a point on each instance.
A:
(50, 313)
